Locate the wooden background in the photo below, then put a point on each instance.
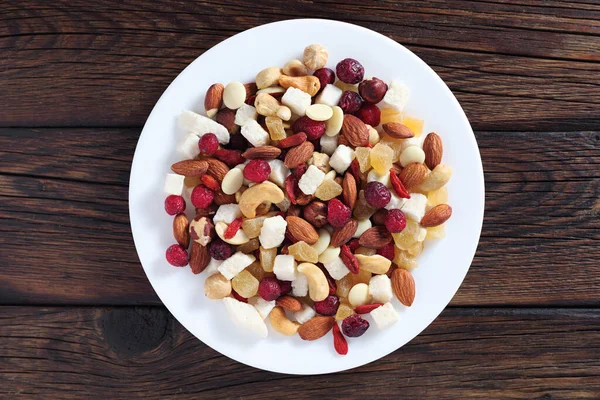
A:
(78, 318)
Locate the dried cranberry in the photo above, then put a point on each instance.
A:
(350, 102)
(257, 171)
(313, 129)
(377, 194)
(370, 114)
(325, 75)
(202, 196)
(219, 250)
(285, 287)
(237, 142)
(269, 289)
(238, 297)
(353, 245)
(230, 157)
(177, 255)
(395, 221)
(350, 71)
(372, 90)
(300, 170)
(338, 214)
(387, 251)
(174, 204)
(354, 326)
(329, 306)
(208, 143)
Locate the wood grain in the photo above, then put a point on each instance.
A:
(513, 66)
(66, 195)
(71, 353)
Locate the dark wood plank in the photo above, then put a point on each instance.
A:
(64, 218)
(528, 65)
(71, 353)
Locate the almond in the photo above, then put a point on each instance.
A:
(181, 230)
(436, 216)
(309, 84)
(403, 286)
(412, 175)
(217, 169)
(398, 130)
(342, 140)
(433, 148)
(199, 258)
(262, 153)
(226, 117)
(341, 236)
(375, 238)
(213, 99)
(316, 327)
(301, 230)
(299, 154)
(222, 198)
(190, 167)
(355, 131)
(349, 191)
(289, 303)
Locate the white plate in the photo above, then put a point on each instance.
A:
(443, 264)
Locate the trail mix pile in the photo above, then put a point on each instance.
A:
(313, 198)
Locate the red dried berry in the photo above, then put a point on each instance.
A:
(354, 326)
(219, 250)
(233, 228)
(338, 214)
(257, 171)
(340, 344)
(370, 114)
(387, 251)
(395, 221)
(238, 142)
(398, 186)
(300, 170)
(377, 194)
(293, 140)
(350, 71)
(285, 287)
(202, 197)
(208, 143)
(329, 306)
(177, 255)
(174, 204)
(325, 75)
(313, 129)
(237, 296)
(366, 308)
(349, 259)
(355, 170)
(350, 102)
(291, 183)
(269, 289)
(353, 245)
(372, 90)
(230, 157)
(210, 182)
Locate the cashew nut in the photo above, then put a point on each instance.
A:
(258, 194)
(266, 104)
(318, 288)
(281, 323)
(376, 264)
(268, 77)
(239, 238)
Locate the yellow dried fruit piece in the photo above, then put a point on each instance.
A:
(346, 86)
(436, 197)
(389, 114)
(344, 285)
(245, 284)
(415, 124)
(394, 144)
(344, 310)
(275, 127)
(381, 158)
(267, 258)
(415, 249)
(365, 251)
(404, 260)
(436, 232)
(328, 190)
(256, 270)
(363, 276)
(303, 252)
(408, 236)
(252, 226)
(364, 158)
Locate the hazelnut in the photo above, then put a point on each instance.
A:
(315, 56)
(316, 214)
(379, 217)
(202, 230)
(372, 90)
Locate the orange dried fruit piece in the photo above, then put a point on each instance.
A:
(389, 114)
(303, 252)
(436, 197)
(415, 249)
(381, 158)
(415, 124)
(363, 276)
(395, 144)
(344, 311)
(252, 226)
(245, 284)
(267, 258)
(275, 127)
(363, 157)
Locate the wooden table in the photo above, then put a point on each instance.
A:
(78, 318)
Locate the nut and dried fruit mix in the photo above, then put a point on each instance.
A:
(313, 198)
